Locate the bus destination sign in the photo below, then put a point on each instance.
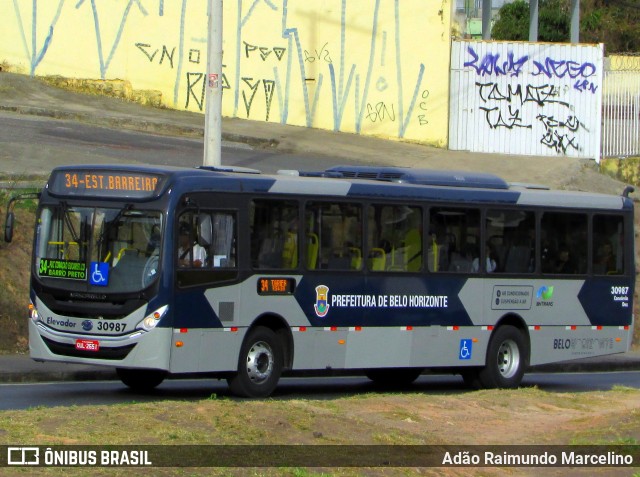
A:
(86, 183)
(276, 286)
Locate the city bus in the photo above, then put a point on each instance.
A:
(385, 272)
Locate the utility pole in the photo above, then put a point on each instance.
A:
(575, 21)
(213, 95)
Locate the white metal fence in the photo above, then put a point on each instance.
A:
(621, 108)
(523, 98)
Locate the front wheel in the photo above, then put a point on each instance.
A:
(141, 379)
(259, 365)
(507, 360)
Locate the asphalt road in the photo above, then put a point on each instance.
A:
(83, 393)
(34, 145)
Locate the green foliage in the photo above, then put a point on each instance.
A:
(513, 22)
(615, 23)
(553, 21)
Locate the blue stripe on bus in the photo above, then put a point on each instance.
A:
(603, 300)
(381, 300)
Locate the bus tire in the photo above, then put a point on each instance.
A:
(141, 379)
(259, 364)
(507, 358)
(394, 377)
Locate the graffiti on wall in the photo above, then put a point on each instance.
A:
(538, 94)
(275, 59)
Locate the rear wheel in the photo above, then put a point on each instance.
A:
(259, 365)
(507, 360)
(141, 379)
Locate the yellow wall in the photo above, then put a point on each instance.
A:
(374, 67)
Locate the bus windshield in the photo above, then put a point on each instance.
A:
(83, 248)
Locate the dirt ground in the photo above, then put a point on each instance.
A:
(423, 416)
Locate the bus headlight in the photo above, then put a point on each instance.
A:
(151, 320)
(33, 313)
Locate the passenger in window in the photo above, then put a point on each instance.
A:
(189, 252)
(606, 259)
(564, 262)
(490, 264)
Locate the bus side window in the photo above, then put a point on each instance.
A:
(564, 243)
(337, 230)
(274, 234)
(453, 239)
(394, 238)
(511, 240)
(218, 231)
(608, 248)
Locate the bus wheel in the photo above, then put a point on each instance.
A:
(141, 379)
(259, 365)
(395, 377)
(507, 358)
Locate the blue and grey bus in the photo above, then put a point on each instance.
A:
(379, 271)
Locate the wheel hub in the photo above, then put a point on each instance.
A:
(260, 362)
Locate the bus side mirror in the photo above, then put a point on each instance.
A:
(8, 227)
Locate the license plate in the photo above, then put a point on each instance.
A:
(87, 345)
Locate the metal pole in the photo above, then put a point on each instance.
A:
(486, 19)
(213, 106)
(533, 20)
(575, 21)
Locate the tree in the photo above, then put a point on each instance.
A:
(512, 23)
(616, 23)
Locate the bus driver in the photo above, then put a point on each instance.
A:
(189, 250)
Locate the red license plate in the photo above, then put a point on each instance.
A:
(87, 345)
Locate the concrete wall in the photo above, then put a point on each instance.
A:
(376, 67)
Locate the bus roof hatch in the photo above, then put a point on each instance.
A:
(428, 177)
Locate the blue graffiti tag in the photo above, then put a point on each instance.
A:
(491, 64)
(560, 68)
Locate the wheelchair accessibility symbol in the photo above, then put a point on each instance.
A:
(466, 347)
(99, 274)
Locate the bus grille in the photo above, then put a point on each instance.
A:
(64, 349)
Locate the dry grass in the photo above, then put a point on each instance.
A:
(484, 417)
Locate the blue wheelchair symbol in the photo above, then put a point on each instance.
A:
(99, 274)
(466, 347)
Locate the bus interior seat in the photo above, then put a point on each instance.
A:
(517, 259)
(413, 250)
(377, 259)
(433, 257)
(313, 246)
(460, 263)
(356, 258)
(290, 251)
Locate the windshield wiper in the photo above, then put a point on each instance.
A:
(115, 220)
(69, 224)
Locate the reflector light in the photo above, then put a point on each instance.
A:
(341, 342)
(234, 329)
(334, 328)
(303, 328)
(358, 328)
(179, 344)
(618, 340)
(184, 330)
(151, 320)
